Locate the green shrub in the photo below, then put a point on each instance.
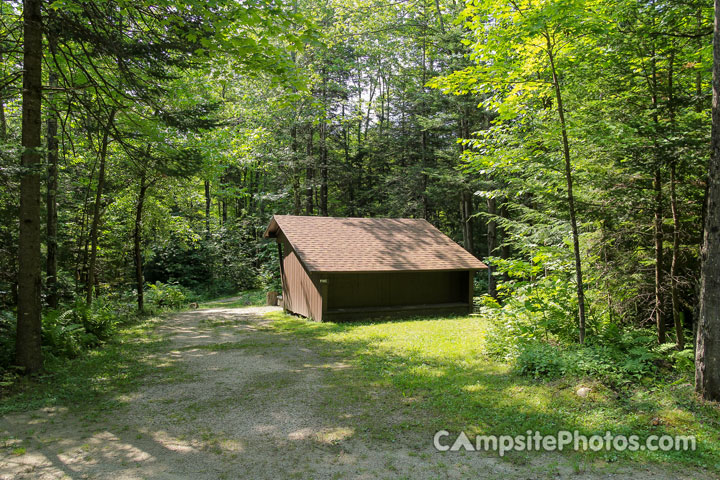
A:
(163, 295)
(541, 360)
(534, 327)
(630, 359)
(64, 334)
(101, 320)
(68, 331)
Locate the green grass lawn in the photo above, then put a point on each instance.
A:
(442, 366)
(96, 379)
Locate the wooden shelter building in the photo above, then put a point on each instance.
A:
(335, 269)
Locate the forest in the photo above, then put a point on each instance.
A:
(144, 147)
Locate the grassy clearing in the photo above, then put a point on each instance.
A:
(97, 379)
(249, 298)
(441, 366)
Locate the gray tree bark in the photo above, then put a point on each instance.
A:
(707, 360)
(208, 202)
(659, 314)
(492, 246)
(570, 196)
(677, 315)
(309, 176)
(96, 210)
(466, 213)
(137, 244)
(28, 352)
(51, 203)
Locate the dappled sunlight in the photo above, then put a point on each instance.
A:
(353, 397)
(173, 443)
(441, 363)
(475, 388)
(323, 435)
(425, 370)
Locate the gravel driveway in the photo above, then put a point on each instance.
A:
(246, 402)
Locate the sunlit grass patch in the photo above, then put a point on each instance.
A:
(248, 298)
(442, 365)
(97, 379)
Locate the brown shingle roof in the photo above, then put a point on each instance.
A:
(329, 244)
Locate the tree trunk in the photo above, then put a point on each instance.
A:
(424, 133)
(309, 175)
(323, 171)
(324, 149)
(51, 203)
(3, 120)
(28, 351)
(677, 315)
(137, 244)
(295, 171)
(570, 196)
(674, 295)
(208, 202)
(466, 219)
(659, 317)
(505, 247)
(96, 211)
(707, 360)
(491, 246)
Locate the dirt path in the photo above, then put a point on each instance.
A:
(249, 403)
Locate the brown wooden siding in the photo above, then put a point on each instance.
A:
(343, 314)
(389, 289)
(300, 294)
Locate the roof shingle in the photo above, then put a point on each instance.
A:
(331, 244)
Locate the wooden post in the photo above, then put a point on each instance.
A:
(272, 298)
(323, 297)
(471, 290)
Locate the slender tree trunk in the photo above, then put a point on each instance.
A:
(137, 243)
(659, 317)
(466, 218)
(491, 246)
(674, 294)
(466, 196)
(657, 185)
(3, 120)
(309, 176)
(699, 74)
(82, 243)
(505, 246)
(570, 196)
(295, 170)
(677, 315)
(350, 184)
(707, 360)
(96, 210)
(51, 203)
(208, 202)
(324, 149)
(323, 172)
(28, 352)
(424, 136)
